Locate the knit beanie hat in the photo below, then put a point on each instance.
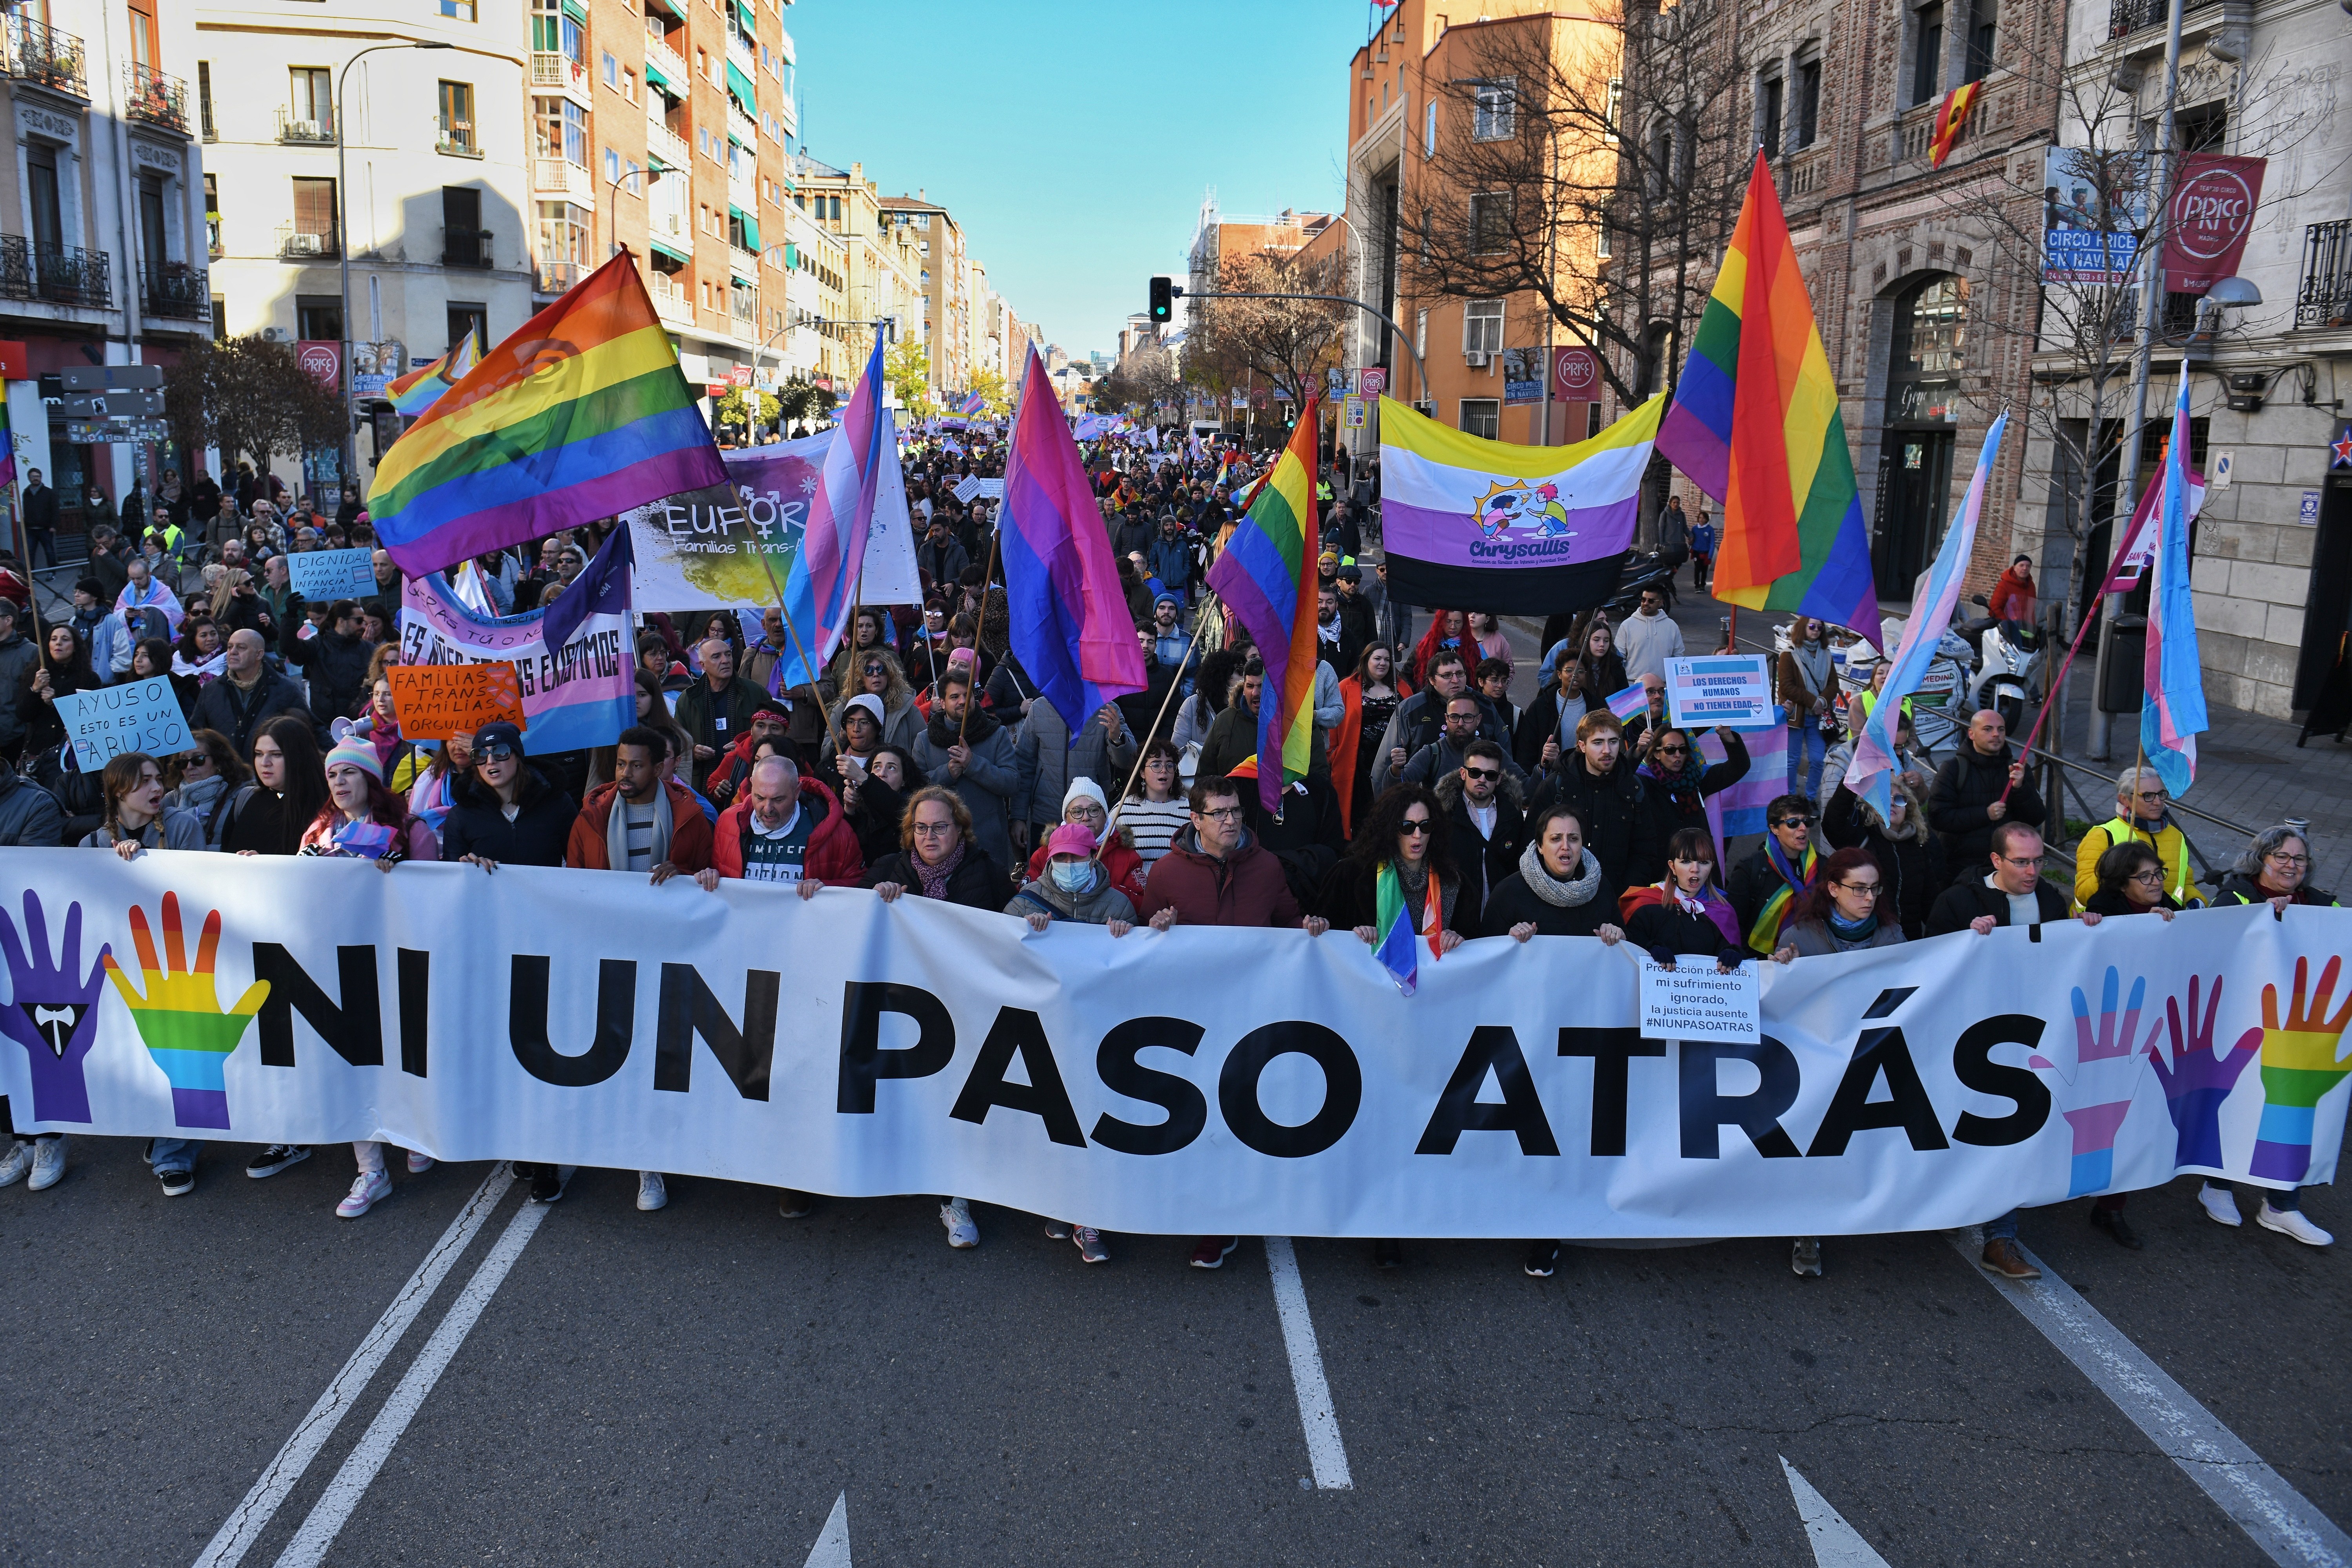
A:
(355, 750)
(1085, 789)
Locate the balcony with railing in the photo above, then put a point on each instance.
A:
(44, 54)
(562, 177)
(667, 145)
(54, 274)
(561, 71)
(456, 137)
(303, 243)
(746, 129)
(153, 99)
(660, 57)
(295, 131)
(739, 45)
(672, 302)
(465, 246)
(552, 277)
(178, 292)
(2325, 300)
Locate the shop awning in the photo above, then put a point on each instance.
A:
(741, 86)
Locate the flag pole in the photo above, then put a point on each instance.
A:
(792, 633)
(1145, 740)
(986, 578)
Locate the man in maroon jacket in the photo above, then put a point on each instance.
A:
(1215, 874)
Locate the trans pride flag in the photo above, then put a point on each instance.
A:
(1755, 424)
(582, 414)
(820, 589)
(1265, 574)
(1070, 626)
(2172, 712)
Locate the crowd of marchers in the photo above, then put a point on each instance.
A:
(924, 763)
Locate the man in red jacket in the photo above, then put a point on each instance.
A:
(1215, 874)
(786, 829)
(640, 822)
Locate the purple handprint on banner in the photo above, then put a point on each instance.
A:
(2096, 1093)
(2199, 1077)
(51, 1012)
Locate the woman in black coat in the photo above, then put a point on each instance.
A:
(937, 858)
(1558, 890)
(478, 830)
(65, 671)
(1685, 913)
(1910, 856)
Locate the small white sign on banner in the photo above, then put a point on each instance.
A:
(1733, 689)
(1692, 1002)
(138, 716)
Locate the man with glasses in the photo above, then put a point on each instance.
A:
(1443, 757)
(1768, 886)
(1648, 637)
(2143, 812)
(1484, 808)
(1216, 874)
(1981, 786)
(1420, 719)
(2010, 893)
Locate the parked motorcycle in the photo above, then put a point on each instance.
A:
(2010, 669)
(1642, 569)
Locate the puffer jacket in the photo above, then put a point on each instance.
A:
(1098, 906)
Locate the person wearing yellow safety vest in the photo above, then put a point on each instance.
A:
(2143, 813)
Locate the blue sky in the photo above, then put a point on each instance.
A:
(1072, 140)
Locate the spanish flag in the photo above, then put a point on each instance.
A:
(1950, 115)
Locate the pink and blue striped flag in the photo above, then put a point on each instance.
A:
(1070, 626)
(1629, 702)
(821, 586)
(1872, 776)
(975, 404)
(1738, 810)
(2172, 712)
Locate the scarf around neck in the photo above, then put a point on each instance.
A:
(934, 879)
(1795, 880)
(616, 829)
(1561, 895)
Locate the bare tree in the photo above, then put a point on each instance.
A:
(1285, 344)
(248, 395)
(1595, 163)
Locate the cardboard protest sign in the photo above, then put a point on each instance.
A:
(436, 701)
(138, 716)
(332, 573)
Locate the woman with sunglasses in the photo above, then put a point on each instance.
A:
(504, 811)
(1682, 779)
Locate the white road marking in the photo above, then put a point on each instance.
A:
(285, 1472)
(1836, 1543)
(1324, 1450)
(335, 1505)
(832, 1548)
(2281, 1519)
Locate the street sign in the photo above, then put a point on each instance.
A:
(1375, 380)
(1575, 375)
(106, 377)
(1336, 377)
(115, 431)
(1351, 411)
(113, 404)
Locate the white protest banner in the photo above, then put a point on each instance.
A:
(137, 716)
(1692, 1002)
(1730, 688)
(332, 573)
(1197, 1081)
(702, 550)
(966, 488)
(991, 489)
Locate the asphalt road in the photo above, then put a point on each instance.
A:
(701, 1386)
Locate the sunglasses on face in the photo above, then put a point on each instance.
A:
(1414, 827)
(1672, 751)
(1793, 822)
(1483, 776)
(497, 752)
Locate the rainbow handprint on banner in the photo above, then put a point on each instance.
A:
(52, 1009)
(2300, 1065)
(2095, 1094)
(2198, 1078)
(180, 1016)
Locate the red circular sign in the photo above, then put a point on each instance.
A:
(322, 362)
(2212, 211)
(1376, 381)
(1575, 374)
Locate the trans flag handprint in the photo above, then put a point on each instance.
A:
(52, 1010)
(2096, 1093)
(2299, 1066)
(180, 1017)
(2198, 1078)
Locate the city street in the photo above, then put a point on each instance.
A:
(237, 1377)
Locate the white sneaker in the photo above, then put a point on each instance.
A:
(2290, 1222)
(418, 1163)
(371, 1188)
(956, 1215)
(651, 1193)
(17, 1163)
(48, 1163)
(2220, 1205)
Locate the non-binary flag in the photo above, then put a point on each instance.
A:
(1755, 424)
(2172, 710)
(1265, 575)
(820, 590)
(1069, 619)
(580, 415)
(1871, 775)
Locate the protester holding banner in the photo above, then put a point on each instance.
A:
(135, 817)
(2274, 869)
(1557, 888)
(1685, 911)
(2130, 880)
(640, 821)
(504, 810)
(786, 829)
(1767, 886)
(207, 780)
(1680, 780)
(293, 776)
(2143, 816)
(62, 672)
(937, 857)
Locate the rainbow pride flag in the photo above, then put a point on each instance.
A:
(1267, 574)
(582, 414)
(1755, 424)
(1068, 615)
(1398, 923)
(415, 393)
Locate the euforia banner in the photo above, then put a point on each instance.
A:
(1203, 1080)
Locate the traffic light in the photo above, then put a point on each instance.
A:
(1163, 300)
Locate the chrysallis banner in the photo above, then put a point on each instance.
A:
(1197, 1081)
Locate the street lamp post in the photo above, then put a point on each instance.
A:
(343, 244)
